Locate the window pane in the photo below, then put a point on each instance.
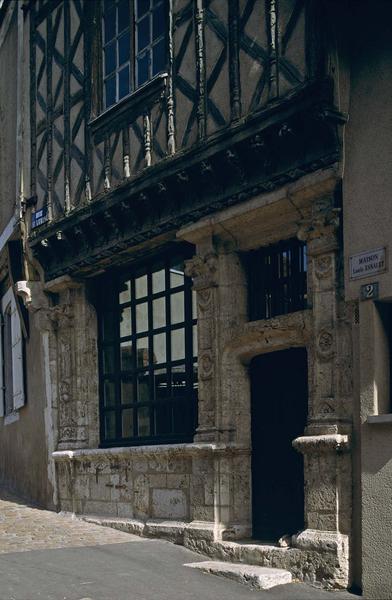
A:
(160, 384)
(138, 376)
(125, 322)
(127, 422)
(143, 33)
(159, 342)
(194, 339)
(125, 292)
(176, 275)
(178, 381)
(108, 327)
(124, 50)
(195, 377)
(126, 356)
(142, 352)
(123, 82)
(159, 312)
(177, 344)
(141, 286)
(110, 21)
(110, 58)
(182, 417)
(110, 91)
(158, 281)
(142, 68)
(141, 317)
(163, 419)
(177, 308)
(142, 7)
(158, 21)
(143, 389)
(123, 15)
(108, 360)
(109, 393)
(143, 421)
(194, 305)
(110, 425)
(159, 57)
(127, 391)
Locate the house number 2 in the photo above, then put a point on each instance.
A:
(369, 291)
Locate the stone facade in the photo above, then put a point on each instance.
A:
(200, 493)
(241, 143)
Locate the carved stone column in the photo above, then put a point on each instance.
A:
(74, 382)
(326, 443)
(218, 282)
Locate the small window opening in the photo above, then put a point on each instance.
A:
(277, 279)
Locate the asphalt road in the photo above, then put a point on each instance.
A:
(142, 570)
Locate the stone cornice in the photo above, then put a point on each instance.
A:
(134, 451)
(314, 444)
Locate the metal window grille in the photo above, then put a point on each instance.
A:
(277, 279)
(148, 357)
(134, 45)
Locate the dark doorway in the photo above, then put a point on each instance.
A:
(279, 413)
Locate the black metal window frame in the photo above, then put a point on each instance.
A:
(171, 383)
(136, 50)
(277, 279)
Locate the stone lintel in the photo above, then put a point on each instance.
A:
(315, 444)
(299, 194)
(165, 449)
(60, 284)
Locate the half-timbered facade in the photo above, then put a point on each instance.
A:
(179, 221)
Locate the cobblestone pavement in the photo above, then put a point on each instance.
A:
(24, 528)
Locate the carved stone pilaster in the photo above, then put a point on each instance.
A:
(69, 328)
(320, 229)
(327, 498)
(221, 302)
(204, 271)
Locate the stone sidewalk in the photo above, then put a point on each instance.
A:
(47, 556)
(24, 528)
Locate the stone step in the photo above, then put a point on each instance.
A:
(260, 578)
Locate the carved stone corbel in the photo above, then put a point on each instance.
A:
(203, 271)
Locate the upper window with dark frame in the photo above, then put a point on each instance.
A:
(134, 45)
(148, 357)
(277, 279)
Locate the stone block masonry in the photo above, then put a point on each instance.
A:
(173, 483)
